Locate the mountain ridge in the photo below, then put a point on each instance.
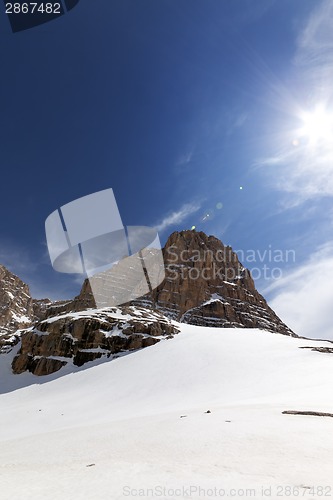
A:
(205, 285)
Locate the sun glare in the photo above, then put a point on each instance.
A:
(317, 126)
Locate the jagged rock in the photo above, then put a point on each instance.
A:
(37, 366)
(89, 335)
(16, 303)
(205, 284)
(41, 307)
(81, 357)
(16, 309)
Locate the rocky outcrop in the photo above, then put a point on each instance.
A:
(41, 307)
(16, 309)
(16, 303)
(308, 413)
(87, 336)
(82, 302)
(205, 284)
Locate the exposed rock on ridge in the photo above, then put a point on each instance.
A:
(205, 285)
(89, 335)
(17, 309)
(16, 303)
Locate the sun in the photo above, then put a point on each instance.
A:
(317, 126)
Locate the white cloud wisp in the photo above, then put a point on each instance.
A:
(304, 298)
(178, 216)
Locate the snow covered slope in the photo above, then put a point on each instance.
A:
(137, 426)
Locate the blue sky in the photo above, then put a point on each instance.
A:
(177, 105)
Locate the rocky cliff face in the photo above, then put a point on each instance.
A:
(16, 307)
(205, 285)
(89, 335)
(52, 335)
(16, 304)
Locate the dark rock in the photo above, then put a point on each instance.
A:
(37, 366)
(93, 335)
(326, 350)
(205, 284)
(311, 413)
(16, 303)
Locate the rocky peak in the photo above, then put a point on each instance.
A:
(16, 303)
(207, 285)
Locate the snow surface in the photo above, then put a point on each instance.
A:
(112, 312)
(20, 319)
(136, 427)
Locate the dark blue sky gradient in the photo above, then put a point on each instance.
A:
(167, 102)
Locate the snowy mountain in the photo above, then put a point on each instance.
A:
(205, 284)
(148, 400)
(84, 336)
(140, 426)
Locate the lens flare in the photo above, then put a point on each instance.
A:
(317, 126)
